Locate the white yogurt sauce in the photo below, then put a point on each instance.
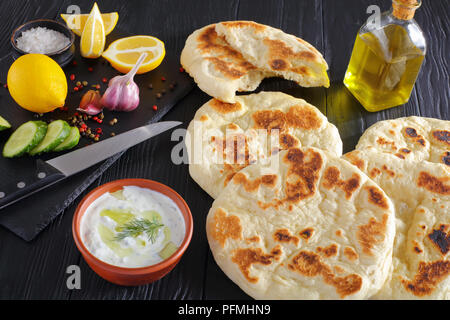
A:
(131, 252)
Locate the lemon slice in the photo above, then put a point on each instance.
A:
(93, 38)
(76, 22)
(124, 53)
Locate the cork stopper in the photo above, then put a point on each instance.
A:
(405, 9)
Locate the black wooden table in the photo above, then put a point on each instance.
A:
(37, 270)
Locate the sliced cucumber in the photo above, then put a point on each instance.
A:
(25, 138)
(4, 124)
(57, 132)
(71, 141)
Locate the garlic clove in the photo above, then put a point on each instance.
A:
(90, 103)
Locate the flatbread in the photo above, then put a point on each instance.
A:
(313, 227)
(412, 138)
(275, 51)
(221, 70)
(224, 137)
(218, 69)
(420, 191)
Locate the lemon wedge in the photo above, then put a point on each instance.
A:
(124, 53)
(93, 37)
(76, 22)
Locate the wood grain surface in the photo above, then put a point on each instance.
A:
(37, 270)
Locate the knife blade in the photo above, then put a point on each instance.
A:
(59, 168)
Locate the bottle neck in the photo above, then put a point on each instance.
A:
(405, 9)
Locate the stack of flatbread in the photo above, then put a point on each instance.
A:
(292, 217)
(409, 159)
(237, 55)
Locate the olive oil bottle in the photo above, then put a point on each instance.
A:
(386, 58)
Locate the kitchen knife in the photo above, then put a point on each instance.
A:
(59, 168)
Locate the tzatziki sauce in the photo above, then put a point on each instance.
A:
(132, 227)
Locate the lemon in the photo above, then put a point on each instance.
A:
(93, 37)
(124, 53)
(37, 83)
(76, 22)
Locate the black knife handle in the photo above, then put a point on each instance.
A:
(44, 176)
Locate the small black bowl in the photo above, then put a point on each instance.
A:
(62, 56)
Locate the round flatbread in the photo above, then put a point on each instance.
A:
(413, 138)
(306, 225)
(420, 192)
(223, 138)
(221, 69)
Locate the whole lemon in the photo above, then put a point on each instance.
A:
(37, 83)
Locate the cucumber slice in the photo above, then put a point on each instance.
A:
(71, 141)
(4, 124)
(57, 132)
(25, 138)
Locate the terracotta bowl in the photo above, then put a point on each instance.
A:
(131, 276)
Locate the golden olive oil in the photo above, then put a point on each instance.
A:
(385, 62)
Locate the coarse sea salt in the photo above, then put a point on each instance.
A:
(42, 40)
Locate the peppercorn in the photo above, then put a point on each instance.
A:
(90, 69)
(72, 77)
(78, 83)
(158, 95)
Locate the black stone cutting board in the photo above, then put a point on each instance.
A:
(31, 215)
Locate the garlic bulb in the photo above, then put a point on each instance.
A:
(123, 93)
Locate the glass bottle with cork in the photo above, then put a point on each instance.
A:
(386, 58)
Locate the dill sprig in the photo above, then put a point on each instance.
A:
(138, 226)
